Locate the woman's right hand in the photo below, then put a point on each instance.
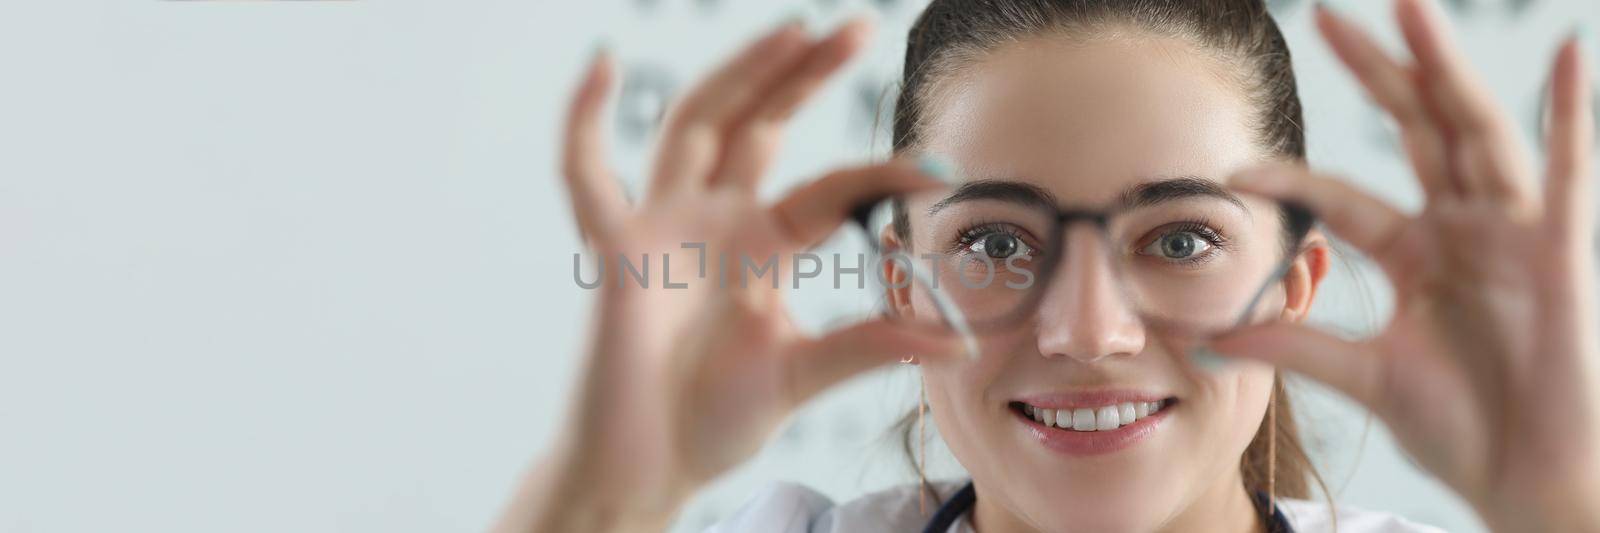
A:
(1488, 371)
(682, 384)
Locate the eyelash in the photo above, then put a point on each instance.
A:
(1199, 227)
(979, 230)
(1203, 229)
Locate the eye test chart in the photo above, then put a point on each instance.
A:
(306, 265)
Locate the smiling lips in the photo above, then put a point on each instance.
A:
(1091, 423)
(1104, 418)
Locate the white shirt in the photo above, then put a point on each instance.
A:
(793, 508)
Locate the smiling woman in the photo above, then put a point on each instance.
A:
(1111, 196)
(1091, 139)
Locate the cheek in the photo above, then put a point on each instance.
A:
(1236, 403)
(965, 409)
(957, 386)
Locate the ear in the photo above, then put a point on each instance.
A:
(1305, 275)
(897, 290)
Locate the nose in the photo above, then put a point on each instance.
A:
(1084, 313)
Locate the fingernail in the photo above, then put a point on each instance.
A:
(936, 167)
(1328, 6)
(600, 47)
(1207, 359)
(796, 19)
(1587, 47)
(863, 17)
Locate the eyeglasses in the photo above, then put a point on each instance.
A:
(1184, 257)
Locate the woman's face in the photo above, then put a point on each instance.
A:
(1087, 123)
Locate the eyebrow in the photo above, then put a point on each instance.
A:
(1144, 194)
(1166, 190)
(1003, 190)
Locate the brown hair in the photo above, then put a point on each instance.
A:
(952, 33)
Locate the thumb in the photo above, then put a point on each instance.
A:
(1350, 367)
(816, 209)
(815, 364)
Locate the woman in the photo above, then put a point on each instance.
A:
(1487, 373)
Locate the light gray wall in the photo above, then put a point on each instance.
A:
(304, 266)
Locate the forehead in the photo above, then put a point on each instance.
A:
(1086, 120)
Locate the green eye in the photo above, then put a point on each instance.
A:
(996, 242)
(999, 245)
(1179, 245)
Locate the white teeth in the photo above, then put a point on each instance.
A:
(1107, 418)
(1104, 418)
(1083, 420)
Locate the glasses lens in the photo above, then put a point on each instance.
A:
(1180, 262)
(950, 258)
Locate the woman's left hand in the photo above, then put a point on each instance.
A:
(1488, 374)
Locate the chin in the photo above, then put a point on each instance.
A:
(1136, 493)
(1111, 510)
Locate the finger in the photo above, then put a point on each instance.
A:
(596, 196)
(818, 363)
(812, 212)
(1569, 187)
(1351, 368)
(1569, 173)
(1390, 84)
(1488, 158)
(758, 132)
(692, 139)
(1366, 222)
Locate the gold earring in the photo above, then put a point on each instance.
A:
(922, 447)
(1272, 445)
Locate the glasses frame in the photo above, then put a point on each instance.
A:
(1298, 219)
